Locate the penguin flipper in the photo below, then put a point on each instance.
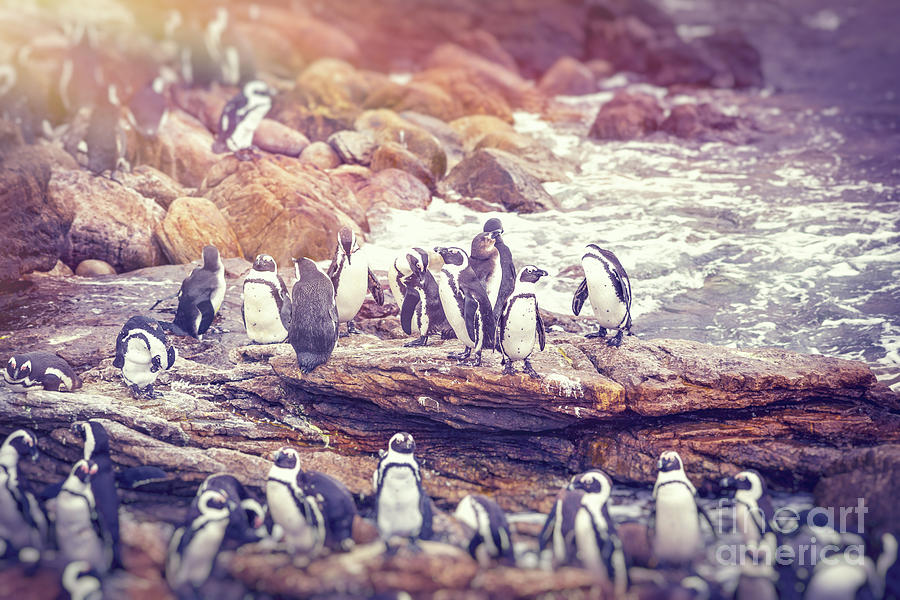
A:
(207, 314)
(546, 535)
(375, 289)
(581, 295)
(410, 302)
(119, 361)
(540, 328)
(286, 313)
(134, 477)
(471, 318)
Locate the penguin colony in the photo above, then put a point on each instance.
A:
(74, 524)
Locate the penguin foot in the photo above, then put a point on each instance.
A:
(600, 333)
(245, 154)
(351, 328)
(616, 341)
(422, 341)
(135, 391)
(509, 369)
(530, 370)
(475, 361)
(460, 355)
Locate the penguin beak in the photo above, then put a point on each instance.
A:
(495, 234)
(542, 273)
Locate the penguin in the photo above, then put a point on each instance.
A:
(421, 309)
(148, 108)
(333, 508)
(80, 581)
(32, 369)
(491, 536)
(200, 296)
(399, 272)
(23, 526)
(103, 483)
(579, 530)
(195, 545)
(607, 286)
(757, 578)
(753, 510)
(104, 141)
(464, 300)
(401, 506)
(484, 258)
(201, 50)
(141, 351)
(520, 322)
(241, 116)
(81, 76)
(351, 277)
(507, 266)
(840, 575)
(79, 533)
(313, 330)
(266, 303)
(675, 519)
(248, 516)
(288, 505)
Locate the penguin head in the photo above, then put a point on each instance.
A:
(531, 274)
(592, 482)
(254, 511)
(264, 262)
(418, 261)
(287, 458)
(493, 224)
(748, 484)
(484, 244)
(83, 470)
(94, 436)
(402, 442)
(210, 258)
(347, 242)
(453, 256)
(14, 368)
(212, 501)
(669, 461)
(257, 90)
(304, 268)
(23, 442)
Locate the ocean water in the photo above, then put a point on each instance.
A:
(786, 241)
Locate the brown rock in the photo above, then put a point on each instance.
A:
(153, 184)
(352, 177)
(626, 117)
(309, 38)
(499, 177)
(353, 147)
(396, 189)
(61, 269)
(538, 159)
(282, 206)
(487, 46)
(737, 62)
(391, 155)
(334, 85)
(471, 93)
(112, 223)
(93, 268)
(205, 105)
(272, 136)
(450, 140)
(388, 126)
(424, 97)
(702, 122)
(321, 155)
(474, 127)
(192, 223)
(568, 77)
(182, 149)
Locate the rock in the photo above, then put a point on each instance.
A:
(396, 189)
(272, 136)
(703, 123)
(34, 228)
(352, 177)
(425, 97)
(112, 223)
(450, 141)
(93, 268)
(321, 155)
(334, 86)
(182, 149)
(391, 155)
(568, 77)
(152, 183)
(474, 127)
(627, 116)
(470, 92)
(353, 147)
(495, 78)
(500, 177)
(61, 269)
(388, 126)
(487, 46)
(537, 158)
(282, 206)
(205, 105)
(309, 37)
(737, 62)
(192, 223)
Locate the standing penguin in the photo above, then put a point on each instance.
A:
(313, 331)
(23, 527)
(484, 258)
(81, 581)
(333, 508)
(105, 147)
(398, 273)
(141, 351)
(753, 510)
(148, 108)
(507, 266)
(421, 309)
(241, 116)
(266, 304)
(195, 545)
(288, 505)
(200, 296)
(520, 322)
(465, 303)
(79, 533)
(580, 531)
(676, 517)
(607, 286)
(757, 578)
(351, 277)
(401, 506)
(31, 369)
(491, 537)
(843, 575)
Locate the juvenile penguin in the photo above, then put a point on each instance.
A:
(32, 369)
(142, 350)
(80, 581)
(507, 266)
(580, 531)
(79, 533)
(241, 116)
(401, 506)
(484, 258)
(607, 286)
(421, 311)
(195, 545)
(752, 506)
(520, 322)
(288, 505)
(313, 330)
(266, 303)
(491, 536)
(465, 303)
(676, 517)
(351, 277)
(23, 526)
(201, 295)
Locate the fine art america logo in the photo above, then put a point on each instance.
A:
(832, 535)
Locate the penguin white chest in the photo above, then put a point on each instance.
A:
(677, 524)
(609, 310)
(282, 506)
(453, 309)
(520, 330)
(587, 545)
(218, 294)
(399, 511)
(136, 369)
(492, 284)
(261, 314)
(75, 531)
(199, 556)
(12, 526)
(351, 289)
(745, 523)
(242, 137)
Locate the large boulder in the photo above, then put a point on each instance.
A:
(394, 188)
(568, 76)
(499, 177)
(392, 155)
(626, 117)
(388, 126)
(182, 149)
(192, 223)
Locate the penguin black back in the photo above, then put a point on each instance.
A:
(314, 324)
(508, 267)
